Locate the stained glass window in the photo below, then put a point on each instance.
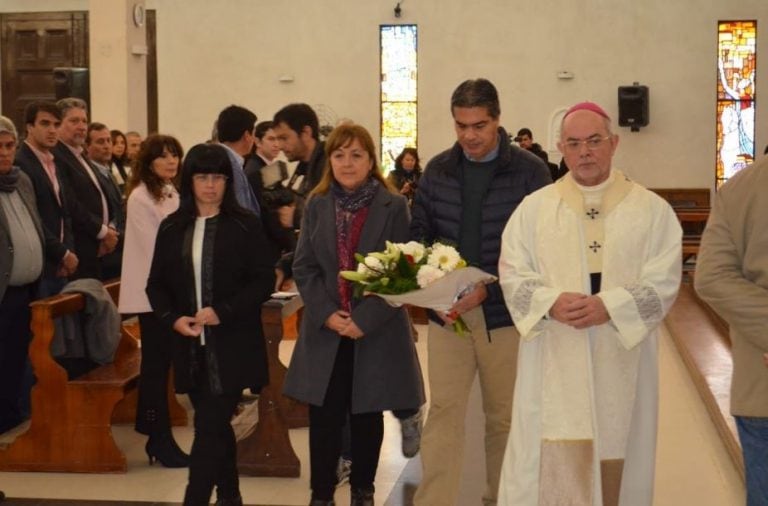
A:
(398, 91)
(736, 59)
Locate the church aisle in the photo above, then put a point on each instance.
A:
(692, 466)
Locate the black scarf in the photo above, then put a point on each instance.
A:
(9, 181)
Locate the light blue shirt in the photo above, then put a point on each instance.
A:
(242, 187)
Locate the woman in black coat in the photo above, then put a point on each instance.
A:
(210, 274)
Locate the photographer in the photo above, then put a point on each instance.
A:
(267, 175)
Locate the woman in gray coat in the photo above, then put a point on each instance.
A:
(353, 357)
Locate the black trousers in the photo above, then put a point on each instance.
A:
(156, 357)
(15, 336)
(213, 459)
(326, 425)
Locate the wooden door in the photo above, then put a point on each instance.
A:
(32, 45)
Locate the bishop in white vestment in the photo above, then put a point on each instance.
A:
(589, 267)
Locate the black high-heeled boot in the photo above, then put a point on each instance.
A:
(162, 447)
(362, 497)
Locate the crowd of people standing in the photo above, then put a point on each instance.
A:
(563, 343)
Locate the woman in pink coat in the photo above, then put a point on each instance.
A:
(152, 196)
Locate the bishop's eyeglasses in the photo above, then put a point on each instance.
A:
(592, 144)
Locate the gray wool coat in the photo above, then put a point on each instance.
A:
(387, 374)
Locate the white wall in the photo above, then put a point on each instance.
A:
(233, 51)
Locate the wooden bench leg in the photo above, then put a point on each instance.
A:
(267, 451)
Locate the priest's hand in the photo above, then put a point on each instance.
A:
(593, 313)
(563, 306)
(579, 311)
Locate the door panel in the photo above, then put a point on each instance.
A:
(32, 45)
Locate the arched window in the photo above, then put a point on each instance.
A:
(736, 59)
(398, 91)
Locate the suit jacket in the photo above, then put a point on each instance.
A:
(732, 277)
(27, 194)
(241, 279)
(387, 374)
(83, 202)
(54, 216)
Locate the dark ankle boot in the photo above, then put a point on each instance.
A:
(321, 502)
(362, 497)
(163, 448)
(233, 501)
(195, 496)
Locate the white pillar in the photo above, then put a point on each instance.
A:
(118, 64)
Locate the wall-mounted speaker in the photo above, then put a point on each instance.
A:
(633, 106)
(72, 82)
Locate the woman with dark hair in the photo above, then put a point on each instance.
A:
(152, 196)
(407, 172)
(353, 357)
(119, 162)
(210, 274)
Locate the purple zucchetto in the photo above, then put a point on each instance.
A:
(587, 106)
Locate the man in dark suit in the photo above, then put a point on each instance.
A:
(85, 189)
(98, 144)
(34, 157)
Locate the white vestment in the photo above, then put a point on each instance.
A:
(586, 400)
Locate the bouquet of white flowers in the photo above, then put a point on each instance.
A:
(433, 277)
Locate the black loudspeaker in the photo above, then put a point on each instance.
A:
(633, 106)
(72, 82)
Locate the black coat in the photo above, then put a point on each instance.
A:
(54, 216)
(242, 278)
(437, 209)
(83, 203)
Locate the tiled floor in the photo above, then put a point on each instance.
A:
(692, 465)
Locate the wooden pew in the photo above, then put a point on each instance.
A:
(692, 208)
(71, 425)
(266, 450)
(684, 197)
(702, 339)
(70, 428)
